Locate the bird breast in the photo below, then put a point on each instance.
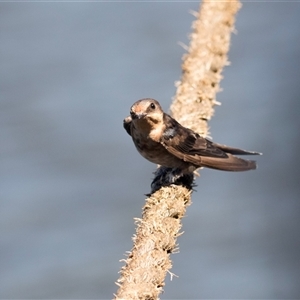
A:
(156, 153)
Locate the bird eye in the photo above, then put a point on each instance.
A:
(152, 105)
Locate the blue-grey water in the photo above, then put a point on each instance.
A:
(72, 182)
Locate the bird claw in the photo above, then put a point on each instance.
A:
(166, 176)
(173, 175)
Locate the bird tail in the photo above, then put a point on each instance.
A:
(231, 163)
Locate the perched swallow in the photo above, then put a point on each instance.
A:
(162, 140)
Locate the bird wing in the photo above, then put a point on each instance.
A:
(191, 147)
(177, 138)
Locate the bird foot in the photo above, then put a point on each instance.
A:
(167, 176)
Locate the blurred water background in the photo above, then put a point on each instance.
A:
(72, 181)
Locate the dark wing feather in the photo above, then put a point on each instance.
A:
(235, 151)
(127, 124)
(191, 147)
(179, 138)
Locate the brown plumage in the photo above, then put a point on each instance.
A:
(162, 140)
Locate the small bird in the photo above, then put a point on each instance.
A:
(162, 140)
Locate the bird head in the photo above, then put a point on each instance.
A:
(146, 110)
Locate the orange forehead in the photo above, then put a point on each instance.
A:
(143, 104)
(140, 106)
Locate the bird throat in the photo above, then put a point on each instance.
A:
(149, 128)
(143, 125)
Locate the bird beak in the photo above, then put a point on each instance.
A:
(137, 116)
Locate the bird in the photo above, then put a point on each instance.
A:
(162, 140)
